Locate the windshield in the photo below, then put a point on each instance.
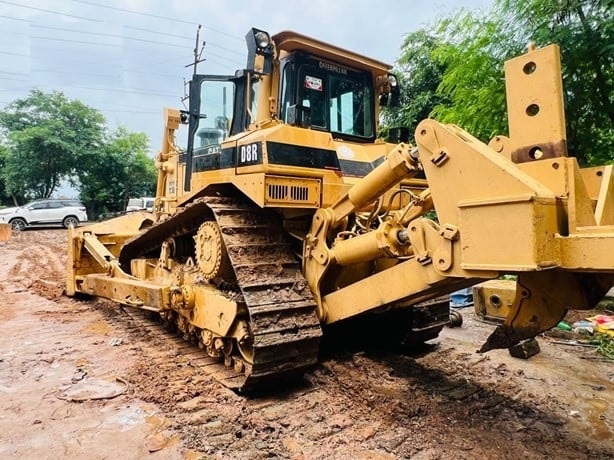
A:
(335, 98)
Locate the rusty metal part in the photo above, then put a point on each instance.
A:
(543, 151)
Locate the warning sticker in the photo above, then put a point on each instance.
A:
(313, 83)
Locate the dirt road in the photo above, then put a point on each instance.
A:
(85, 379)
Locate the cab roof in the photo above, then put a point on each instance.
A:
(289, 41)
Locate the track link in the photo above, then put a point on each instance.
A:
(283, 322)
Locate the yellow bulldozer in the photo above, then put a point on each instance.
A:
(286, 217)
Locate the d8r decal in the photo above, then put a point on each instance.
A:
(250, 154)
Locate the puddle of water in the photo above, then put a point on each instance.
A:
(127, 418)
(596, 418)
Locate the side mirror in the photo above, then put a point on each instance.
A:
(392, 95)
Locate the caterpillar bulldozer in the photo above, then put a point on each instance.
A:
(287, 219)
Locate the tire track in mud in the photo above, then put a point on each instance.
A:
(41, 266)
(443, 404)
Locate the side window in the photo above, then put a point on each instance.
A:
(55, 204)
(216, 107)
(313, 95)
(42, 205)
(287, 90)
(254, 99)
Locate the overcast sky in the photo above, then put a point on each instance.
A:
(127, 58)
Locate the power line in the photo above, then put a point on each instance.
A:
(157, 17)
(115, 88)
(14, 73)
(14, 54)
(107, 35)
(13, 18)
(137, 39)
(209, 43)
(13, 79)
(76, 41)
(159, 33)
(50, 11)
(135, 12)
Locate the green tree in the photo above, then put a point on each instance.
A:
(45, 133)
(472, 52)
(5, 197)
(122, 169)
(584, 29)
(419, 76)
(468, 50)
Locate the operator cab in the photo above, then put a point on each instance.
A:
(289, 79)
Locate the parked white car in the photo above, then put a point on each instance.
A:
(145, 203)
(45, 213)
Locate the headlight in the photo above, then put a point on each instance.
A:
(262, 39)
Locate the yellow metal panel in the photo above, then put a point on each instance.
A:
(493, 299)
(289, 41)
(534, 92)
(552, 173)
(383, 288)
(478, 172)
(132, 292)
(588, 252)
(212, 311)
(592, 178)
(604, 211)
(512, 236)
(252, 185)
(579, 208)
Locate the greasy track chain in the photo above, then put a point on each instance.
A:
(282, 313)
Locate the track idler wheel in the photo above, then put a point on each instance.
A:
(211, 256)
(245, 342)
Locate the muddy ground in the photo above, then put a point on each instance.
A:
(84, 379)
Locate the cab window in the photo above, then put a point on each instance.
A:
(216, 106)
(313, 95)
(328, 97)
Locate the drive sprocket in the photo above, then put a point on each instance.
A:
(211, 257)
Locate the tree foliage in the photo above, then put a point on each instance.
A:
(467, 50)
(47, 138)
(5, 197)
(119, 171)
(584, 29)
(419, 76)
(46, 133)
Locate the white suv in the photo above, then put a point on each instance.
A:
(45, 212)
